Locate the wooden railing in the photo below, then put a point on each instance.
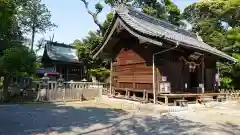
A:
(71, 91)
(1, 95)
(231, 94)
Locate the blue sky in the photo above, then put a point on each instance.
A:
(74, 22)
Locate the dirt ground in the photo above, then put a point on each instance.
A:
(119, 117)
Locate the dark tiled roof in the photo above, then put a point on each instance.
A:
(61, 52)
(153, 27)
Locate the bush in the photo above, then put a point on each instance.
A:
(101, 74)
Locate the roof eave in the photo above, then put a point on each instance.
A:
(119, 21)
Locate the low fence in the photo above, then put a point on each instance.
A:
(231, 94)
(1, 95)
(71, 91)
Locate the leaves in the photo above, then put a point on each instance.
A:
(101, 73)
(34, 17)
(17, 60)
(165, 10)
(35, 14)
(217, 22)
(107, 22)
(99, 7)
(9, 29)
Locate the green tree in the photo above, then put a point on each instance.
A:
(164, 9)
(94, 14)
(16, 61)
(218, 22)
(35, 18)
(107, 22)
(9, 29)
(84, 51)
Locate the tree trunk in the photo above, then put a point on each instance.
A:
(5, 88)
(33, 37)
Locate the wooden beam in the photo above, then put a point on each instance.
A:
(141, 41)
(166, 100)
(111, 78)
(203, 75)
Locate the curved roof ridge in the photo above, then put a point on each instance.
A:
(138, 14)
(61, 52)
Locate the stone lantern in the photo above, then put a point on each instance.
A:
(42, 93)
(60, 82)
(44, 81)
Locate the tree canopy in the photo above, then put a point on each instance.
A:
(15, 59)
(164, 9)
(218, 23)
(35, 18)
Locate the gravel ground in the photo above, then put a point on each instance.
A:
(90, 118)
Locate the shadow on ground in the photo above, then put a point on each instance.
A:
(55, 119)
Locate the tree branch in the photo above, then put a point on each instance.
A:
(94, 15)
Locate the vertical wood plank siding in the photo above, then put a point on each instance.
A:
(132, 71)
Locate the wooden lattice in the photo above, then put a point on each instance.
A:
(232, 94)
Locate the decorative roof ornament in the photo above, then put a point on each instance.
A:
(199, 37)
(121, 7)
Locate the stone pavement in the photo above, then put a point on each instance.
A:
(70, 119)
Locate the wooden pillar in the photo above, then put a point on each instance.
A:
(134, 95)
(153, 83)
(67, 74)
(126, 94)
(203, 75)
(166, 100)
(81, 73)
(55, 68)
(144, 95)
(111, 77)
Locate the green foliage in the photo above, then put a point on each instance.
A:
(164, 9)
(38, 65)
(101, 74)
(84, 51)
(17, 61)
(85, 48)
(99, 7)
(173, 12)
(92, 40)
(218, 22)
(34, 17)
(35, 14)
(35, 78)
(107, 22)
(226, 82)
(9, 29)
(115, 3)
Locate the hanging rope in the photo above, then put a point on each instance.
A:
(189, 62)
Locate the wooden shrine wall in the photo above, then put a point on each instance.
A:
(132, 71)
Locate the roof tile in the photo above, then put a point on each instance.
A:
(158, 28)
